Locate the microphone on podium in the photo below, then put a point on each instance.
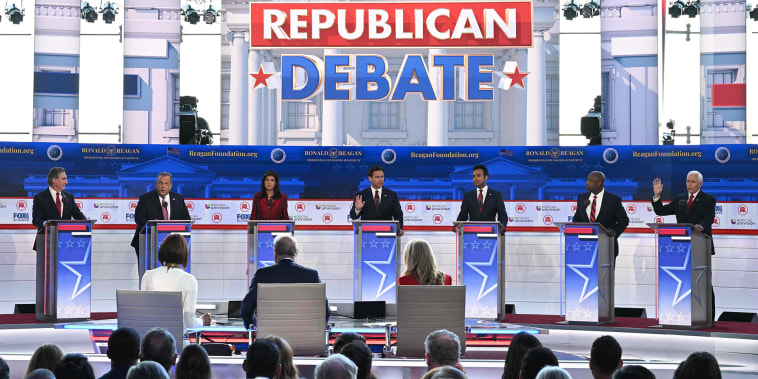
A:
(270, 202)
(682, 203)
(587, 203)
(165, 204)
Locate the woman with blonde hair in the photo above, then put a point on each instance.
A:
(286, 355)
(421, 267)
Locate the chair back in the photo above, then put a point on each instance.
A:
(425, 309)
(295, 312)
(144, 310)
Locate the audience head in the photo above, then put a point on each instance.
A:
(336, 366)
(5, 371)
(174, 250)
(605, 357)
(271, 175)
(700, 365)
(158, 345)
(553, 372)
(74, 366)
(40, 373)
(193, 363)
(344, 339)
(520, 344)
(262, 359)
(123, 347)
(633, 372)
(419, 262)
(147, 370)
(360, 354)
(286, 359)
(285, 246)
(443, 348)
(46, 356)
(444, 372)
(535, 359)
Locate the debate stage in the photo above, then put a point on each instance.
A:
(735, 344)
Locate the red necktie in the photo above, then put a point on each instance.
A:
(689, 203)
(592, 209)
(376, 200)
(58, 203)
(480, 200)
(164, 209)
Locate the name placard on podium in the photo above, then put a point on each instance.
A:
(376, 264)
(481, 267)
(150, 242)
(260, 242)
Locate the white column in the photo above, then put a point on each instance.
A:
(437, 115)
(536, 125)
(332, 117)
(255, 101)
(238, 89)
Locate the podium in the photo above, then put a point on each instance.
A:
(589, 275)
(150, 241)
(64, 271)
(683, 276)
(375, 261)
(480, 246)
(260, 242)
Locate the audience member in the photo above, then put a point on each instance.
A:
(535, 359)
(360, 354)
(262, 360)
(5, 371)
(443, 348)
(74, 366)
(605, 357)
(700, 365)
(421, 267)
(158, 345)
(633, 372)
(123, 351)
(46, 356)
(678, 370)
(336, 366)
(444, 372)
(193, 363)
(553, 372)
(520, 344)
(147, 370)
(344, 339)
(41, 373)
(286, 359)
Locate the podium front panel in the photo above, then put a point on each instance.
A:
(582, 273)
(260, 243)
(480, 265)
(74, 271)
(155, 233)
(376, 261)
(674, 275)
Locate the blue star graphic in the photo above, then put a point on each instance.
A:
(374, 244)
(386, 244)
(483, 290)
(60, 244)
(465, 245)
(364, 244)
(588, 247)
(67, 264)
(265, 263)
(269, 243)
(475, 245)
(487, 245)
(669, 249)
(682, 248)
(668, 270)
(69, 243)
(576, 247)
(575, 267)
(381, 290)
(261, 244)
(82, 244)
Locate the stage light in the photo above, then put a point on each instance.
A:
(590, 125)
(754, 14)
(88, 13)
(692, 9)
(190, 14)
(14, 14)
(571, 11)
(676, 9)
(109, 12)
(210, 14)
(590, 9)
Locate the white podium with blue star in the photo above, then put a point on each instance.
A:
(64, 271)
(683, 276)
(376, 265)
(481, 267)
(150, 242)
(588, 276)
(260, 242)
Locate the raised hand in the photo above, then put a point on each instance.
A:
(657, 187)
(359, 203)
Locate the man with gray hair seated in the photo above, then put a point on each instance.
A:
(147, 370)
(285, 270)
(41, 373)
(336, 366)
(443, 348)
(158, 345)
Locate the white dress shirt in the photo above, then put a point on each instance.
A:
(174, 279)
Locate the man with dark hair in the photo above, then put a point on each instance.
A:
(285, 270)
(483, 203)
(637, 372)
(443, 348)
(74, 366)
(161, 204)
(40, 373)
(262, 360)
(377, 202)
(344, 339)
(53, 203)
(600, 206)
(123, 351)
(535, 359)
(605, 357)
(360, 354)
(158, 345)
(699, 365)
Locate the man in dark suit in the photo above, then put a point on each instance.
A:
(161, 204)
(377, 202)
(53, 203)
(483, 203)
(285, 270)
(602, 207)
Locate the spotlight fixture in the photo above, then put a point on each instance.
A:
(190, 14)
(109, 12)
(210, 14)
(15, 15)
(88, 12)
(754, 13)
(692, 9)
(676, 9)
(590, 9)
(571, 10)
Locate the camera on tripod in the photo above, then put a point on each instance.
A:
(193, 130)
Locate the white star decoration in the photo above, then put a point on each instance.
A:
(381, 290)
(574, 267)
(67, 264)
(667, 269)
(482, 291)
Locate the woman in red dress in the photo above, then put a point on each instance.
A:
(421, 267)
(270, 203)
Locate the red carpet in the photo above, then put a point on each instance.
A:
(31, 318)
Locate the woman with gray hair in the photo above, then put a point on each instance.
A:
(421, 267)
(553, 372)
(147, 370)
(336, 366)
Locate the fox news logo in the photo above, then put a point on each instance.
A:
(21, 217)
(243, 217)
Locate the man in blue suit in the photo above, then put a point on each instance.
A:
(483, 203)
(377, 202)
(53, 203)
(161, 204)
(602, 207)
(285, 270)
